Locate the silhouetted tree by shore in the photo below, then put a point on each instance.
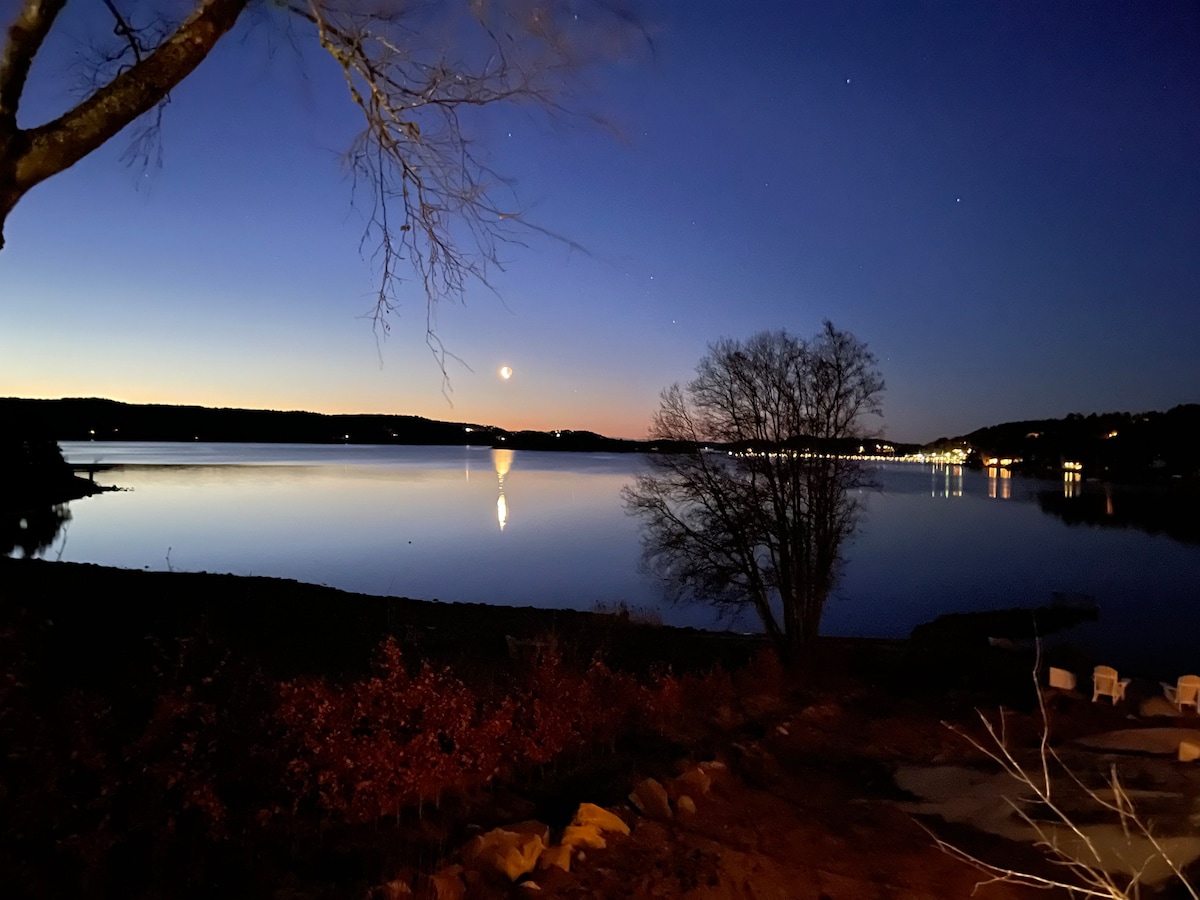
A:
(1154, 509)
(760, 527)
(33, 473)
(31, 531)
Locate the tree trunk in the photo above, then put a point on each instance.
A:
(29, 157)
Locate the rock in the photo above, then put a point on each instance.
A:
(762, 704)
(531, 885)
(1189, 751)
(650, 798)
(445, 884)
(686, 805)
(512, 850)
(397, 889)
(725, 718)
(591, 814)
(695, 780)
(956, 631)
(1157, 706)
(822, 712)
(590, 823)
(584, 836)
(558, 856)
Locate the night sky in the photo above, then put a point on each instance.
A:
(1001, 199)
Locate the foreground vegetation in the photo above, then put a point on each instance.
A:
(155, 746)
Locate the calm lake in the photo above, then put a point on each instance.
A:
(548, 529)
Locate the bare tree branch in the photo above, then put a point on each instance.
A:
(416, 72)
(60, 144)
(122, 29)
(1082, 858)
(435, 209)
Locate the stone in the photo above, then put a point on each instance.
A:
(584, 836)
(512, 850)
(651, 799)
(1189, 751)
(686, 805)
(591, 814)
(446, 884)
(695, 780)
(397, 889)
(725, 718)
(589, 825)
(558, 856)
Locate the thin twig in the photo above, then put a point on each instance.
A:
(1087, 866)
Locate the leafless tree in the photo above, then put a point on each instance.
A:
(415, 70)
(759, 523)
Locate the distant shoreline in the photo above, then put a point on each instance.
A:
(89, 419)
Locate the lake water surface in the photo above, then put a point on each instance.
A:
(548, 529)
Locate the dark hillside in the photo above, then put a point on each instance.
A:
(1117, 446)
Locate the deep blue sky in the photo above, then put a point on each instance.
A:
(1001, 199)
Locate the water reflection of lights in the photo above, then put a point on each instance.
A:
(947, 481)
(502, 460)
(1072, 484)
(999, 483)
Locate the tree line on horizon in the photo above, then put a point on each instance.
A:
(83, 419)
(1138, 435)
(1111, 446)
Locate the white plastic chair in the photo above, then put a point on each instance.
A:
(1184, 692)
(1106, 684)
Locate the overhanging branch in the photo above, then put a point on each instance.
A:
(58, 145)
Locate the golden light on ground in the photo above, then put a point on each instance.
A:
(506, 372)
